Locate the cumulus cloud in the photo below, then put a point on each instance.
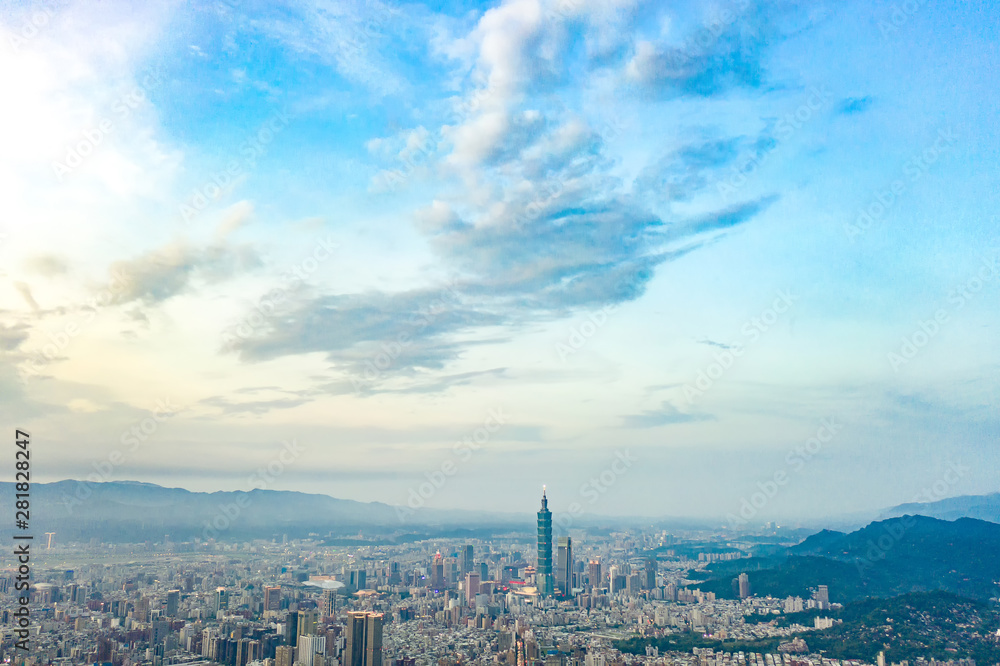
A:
(155, 276)
(540, 225)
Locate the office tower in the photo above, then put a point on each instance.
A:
(284, 655)
(173, 601)
(613, 579)
(744, 582)
(594, 573)
(471, 586)
(141, 611)
(823, 594)
(633, 583)
(650, 572)
(373, 639)
(292, 628)
(543, 573)
(358, 579)
(310, 645)
(272, 598)
(363, 646)
(465, 559)
(329, 603)
(564, 566)
(220, 600)
(307, 623)
(158, 631)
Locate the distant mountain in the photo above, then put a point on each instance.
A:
(130, 511)
(884, 559)
(981, 507)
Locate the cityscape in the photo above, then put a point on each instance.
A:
(591, 597)
(500, 333)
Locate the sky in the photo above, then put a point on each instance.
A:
(708, 259)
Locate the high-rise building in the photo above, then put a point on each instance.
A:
(329, 603)
(650, 573)
(744, 583)
(373, 639)
(564, 566)
(307, 623)
(221, 599)
(613, 582)
(465, 559)
(292, 628)
(543, 572)
(310, 645)
(158, 631)
(471, 586)
(173, 601)
(823, 594)
(284, 655)
(272, 598)
(363, 646)
(594, 573)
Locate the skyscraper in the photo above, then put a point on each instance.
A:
(465, 559)
(471, 586)
(594, 573)
(272, 598)
(329, 603)
(744, 583)
(363, 646)
(543, 573)
(564, 566)
(173, 601)
(650, 572)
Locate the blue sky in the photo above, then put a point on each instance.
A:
(689, 231)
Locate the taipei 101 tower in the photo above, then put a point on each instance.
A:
(543, 574)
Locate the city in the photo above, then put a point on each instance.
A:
(560, 601)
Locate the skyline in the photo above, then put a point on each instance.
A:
(685, 252)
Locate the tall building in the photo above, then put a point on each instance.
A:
(272, 598)
(594, 573)
(307, 623)
(650, 572)
(471, 586)
(465, 559)
(310, 645)
(543, 572)
(744, 582)
(284, 655)
(823, 594)
(173, 601)
(329, 603)
(564, 566)
(363, 646)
